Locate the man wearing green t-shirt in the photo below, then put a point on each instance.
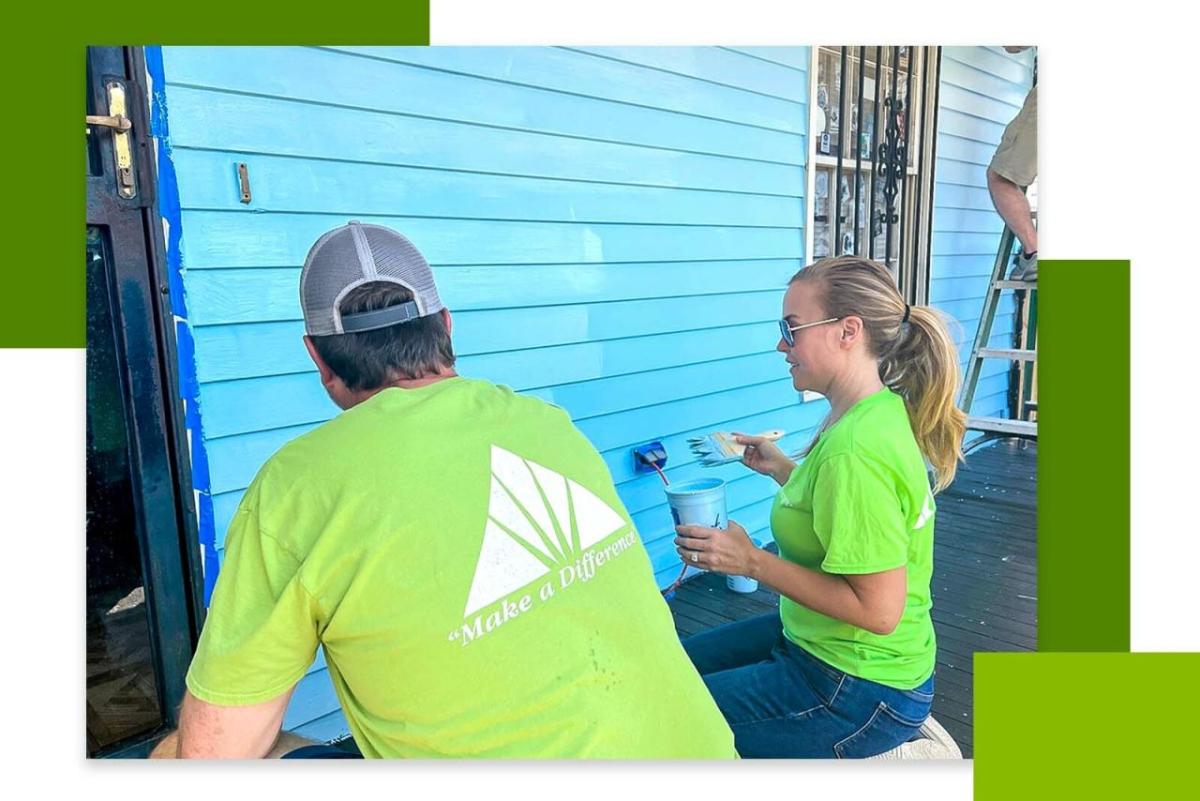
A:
(458, 551)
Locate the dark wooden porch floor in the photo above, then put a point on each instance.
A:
(984, 579)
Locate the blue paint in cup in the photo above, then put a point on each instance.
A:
(698, 503)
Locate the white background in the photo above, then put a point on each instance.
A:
(1117, 128)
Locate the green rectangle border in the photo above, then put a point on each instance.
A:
(1083, 456)
(42, 302)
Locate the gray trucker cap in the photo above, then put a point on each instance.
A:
(356, 254)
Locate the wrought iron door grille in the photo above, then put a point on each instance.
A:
(877, 202)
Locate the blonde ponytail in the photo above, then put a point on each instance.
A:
(917, 357)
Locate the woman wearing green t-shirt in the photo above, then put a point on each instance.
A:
(849, 673)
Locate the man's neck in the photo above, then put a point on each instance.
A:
(405, 383)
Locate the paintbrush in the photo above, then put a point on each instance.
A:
(720, 448)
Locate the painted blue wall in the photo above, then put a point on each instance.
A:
(982, 88)
(612, 228)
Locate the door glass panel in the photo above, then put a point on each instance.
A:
(122, 695)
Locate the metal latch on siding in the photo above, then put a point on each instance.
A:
(121, 126)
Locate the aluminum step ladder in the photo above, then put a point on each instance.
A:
(980, 351)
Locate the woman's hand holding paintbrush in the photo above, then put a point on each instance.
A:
(762, 455)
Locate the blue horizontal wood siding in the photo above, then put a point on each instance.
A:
(982, 88)
(611, 226)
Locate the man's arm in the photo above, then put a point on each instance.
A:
(209, 731)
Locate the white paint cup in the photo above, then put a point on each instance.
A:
(741, 584)
(702, 503)
(698, 503)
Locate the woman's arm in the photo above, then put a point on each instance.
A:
(871, 601)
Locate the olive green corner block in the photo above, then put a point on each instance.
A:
(1086, 725)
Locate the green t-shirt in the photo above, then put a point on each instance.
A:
(860, 502)
(462, 556)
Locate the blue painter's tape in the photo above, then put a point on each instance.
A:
(185, 347)
(212, 565)
(189, 386)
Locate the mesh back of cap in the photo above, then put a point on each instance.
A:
(397, 258)
(336, 265)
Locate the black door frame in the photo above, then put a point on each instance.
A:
(158, 452)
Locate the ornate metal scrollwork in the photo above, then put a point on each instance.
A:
(893, 156)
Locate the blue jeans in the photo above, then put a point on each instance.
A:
(322, 752)
(782, 702)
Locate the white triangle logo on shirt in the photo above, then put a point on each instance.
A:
(538, 521)
(926, 513)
